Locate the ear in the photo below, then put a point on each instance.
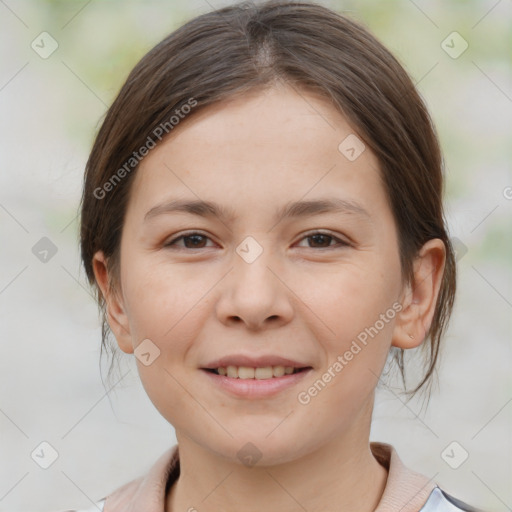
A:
(116, 315)
(419, 298)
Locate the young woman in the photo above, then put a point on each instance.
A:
(262, 219)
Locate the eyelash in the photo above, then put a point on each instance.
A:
(341, 243)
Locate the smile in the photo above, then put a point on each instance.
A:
(255, 383)
(261, 373)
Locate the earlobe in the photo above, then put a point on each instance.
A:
(420, 298)
(116, 315)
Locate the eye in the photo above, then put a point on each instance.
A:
(323, 240)
(192, 240)
(196, 240)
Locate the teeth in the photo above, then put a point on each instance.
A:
(264, 373)
(232, 372)
(278, 371)
(246, 372)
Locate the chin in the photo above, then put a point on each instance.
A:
(255, 448)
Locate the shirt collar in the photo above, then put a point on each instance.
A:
(406, 490)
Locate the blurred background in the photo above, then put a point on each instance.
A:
(62, 65)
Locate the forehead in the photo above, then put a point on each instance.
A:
(260, 150)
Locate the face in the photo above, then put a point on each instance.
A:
(258, 282)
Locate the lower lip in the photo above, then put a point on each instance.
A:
(256, 388)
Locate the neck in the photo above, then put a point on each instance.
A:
(342, 471)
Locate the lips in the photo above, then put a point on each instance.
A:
(257, 387)
(254, 362)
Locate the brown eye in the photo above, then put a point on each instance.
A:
(190, 241)
(323, 241)
(195, 241)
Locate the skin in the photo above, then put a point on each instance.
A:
(302, 298)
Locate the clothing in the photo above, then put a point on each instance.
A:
(405, 491)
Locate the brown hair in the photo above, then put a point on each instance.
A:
(243, 47)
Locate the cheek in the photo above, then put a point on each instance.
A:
(161, 299)
(165, 306)
(343, 387)
(168, 305)
(350, 298)
(358, 304)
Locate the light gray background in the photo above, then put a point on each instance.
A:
(51, 388)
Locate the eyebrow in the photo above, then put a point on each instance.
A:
(290, 210)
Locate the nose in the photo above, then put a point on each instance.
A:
(255, 294)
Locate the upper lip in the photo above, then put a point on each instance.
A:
(253, 361)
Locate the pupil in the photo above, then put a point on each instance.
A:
(316, 237)
(195, 237)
